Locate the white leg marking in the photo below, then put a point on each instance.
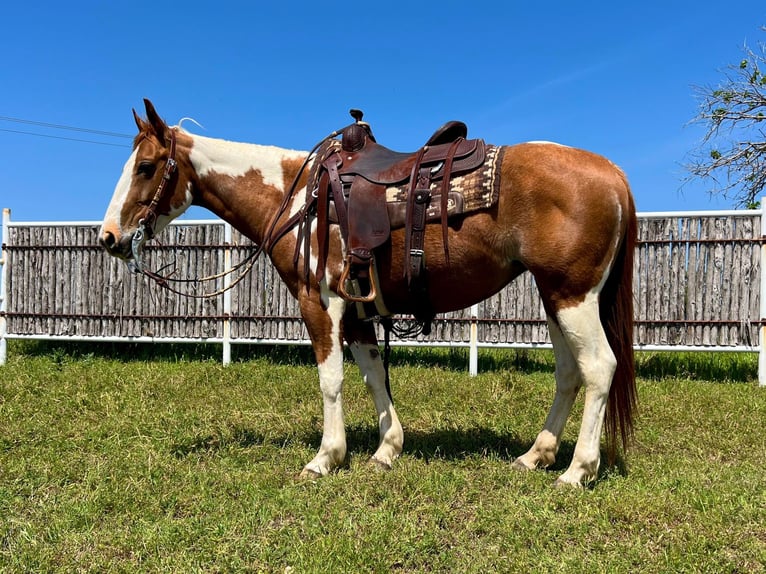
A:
(568, 381)
(582, 329)
(332, 451)
(391, 434)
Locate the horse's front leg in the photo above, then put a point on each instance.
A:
(323, 318)
(364, 346)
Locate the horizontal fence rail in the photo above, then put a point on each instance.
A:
(697, 285)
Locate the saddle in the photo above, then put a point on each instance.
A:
(349, 181)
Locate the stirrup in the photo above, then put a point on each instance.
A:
(370, 297)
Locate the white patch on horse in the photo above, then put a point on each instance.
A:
(615, 248)
(175, 211)
(295, 207)
(596, 363)
(121, 190)
(236, 159)
(333, 448)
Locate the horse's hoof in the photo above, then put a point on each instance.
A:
(562, 484)
(309, 474)
(520, 466)
(379, 465)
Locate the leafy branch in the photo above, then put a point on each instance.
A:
(732, 153)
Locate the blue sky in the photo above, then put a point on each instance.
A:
(613, 77)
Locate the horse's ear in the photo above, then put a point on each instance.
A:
(141, 124)
(155, 120)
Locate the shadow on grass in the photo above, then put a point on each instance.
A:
(438, 444)
(426, 445)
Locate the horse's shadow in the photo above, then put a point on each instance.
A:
(425, 445)
(443, 444)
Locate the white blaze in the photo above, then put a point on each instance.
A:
(120, 194)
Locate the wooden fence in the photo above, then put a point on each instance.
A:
(697, 285)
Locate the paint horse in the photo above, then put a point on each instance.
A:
(565, 215)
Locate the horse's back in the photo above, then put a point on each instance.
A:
(540, 175)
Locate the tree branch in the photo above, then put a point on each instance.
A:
(732, 153)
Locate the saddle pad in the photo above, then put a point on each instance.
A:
(478, 189)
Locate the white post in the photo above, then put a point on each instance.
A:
(762, 302)
(473, 352)
(226, 294)
(3, 288)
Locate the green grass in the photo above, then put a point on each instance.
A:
(138, 458)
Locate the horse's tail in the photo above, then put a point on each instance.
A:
(616, 310)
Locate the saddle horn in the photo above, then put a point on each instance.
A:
(356, 135)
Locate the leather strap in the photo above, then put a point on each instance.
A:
(445, 193)
(323, 229)
(417, 236)
(341, 210)
(415, 184)
(330, 189)
(150, 216)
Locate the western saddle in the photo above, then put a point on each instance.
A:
(348, 184)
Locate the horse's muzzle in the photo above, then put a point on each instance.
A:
(108, 241)
(117, 247)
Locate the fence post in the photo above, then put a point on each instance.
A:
(473, 349)
(226, 294)
(3, 287)
(762, 301)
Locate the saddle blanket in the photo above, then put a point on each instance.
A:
(469, 192)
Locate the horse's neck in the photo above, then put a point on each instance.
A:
(243, 183)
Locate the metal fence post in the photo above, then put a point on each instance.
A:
(762, 301)
(473, 351)
(3, 288)
(227, 294)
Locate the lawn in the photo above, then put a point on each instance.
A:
(117, 459)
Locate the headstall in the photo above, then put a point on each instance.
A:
(146, 223)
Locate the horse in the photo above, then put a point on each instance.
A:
(565, 215)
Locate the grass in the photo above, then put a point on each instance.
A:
(139, 458)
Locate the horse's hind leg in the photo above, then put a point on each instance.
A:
(364, 346)
(568, 382)
(582, 329)
(584, 359)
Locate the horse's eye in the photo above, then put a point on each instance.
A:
(146, 169)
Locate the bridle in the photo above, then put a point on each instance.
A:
(145, 230)
(146, 224)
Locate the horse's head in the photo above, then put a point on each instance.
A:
(154, 188)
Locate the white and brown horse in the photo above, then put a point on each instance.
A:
(563, 214)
